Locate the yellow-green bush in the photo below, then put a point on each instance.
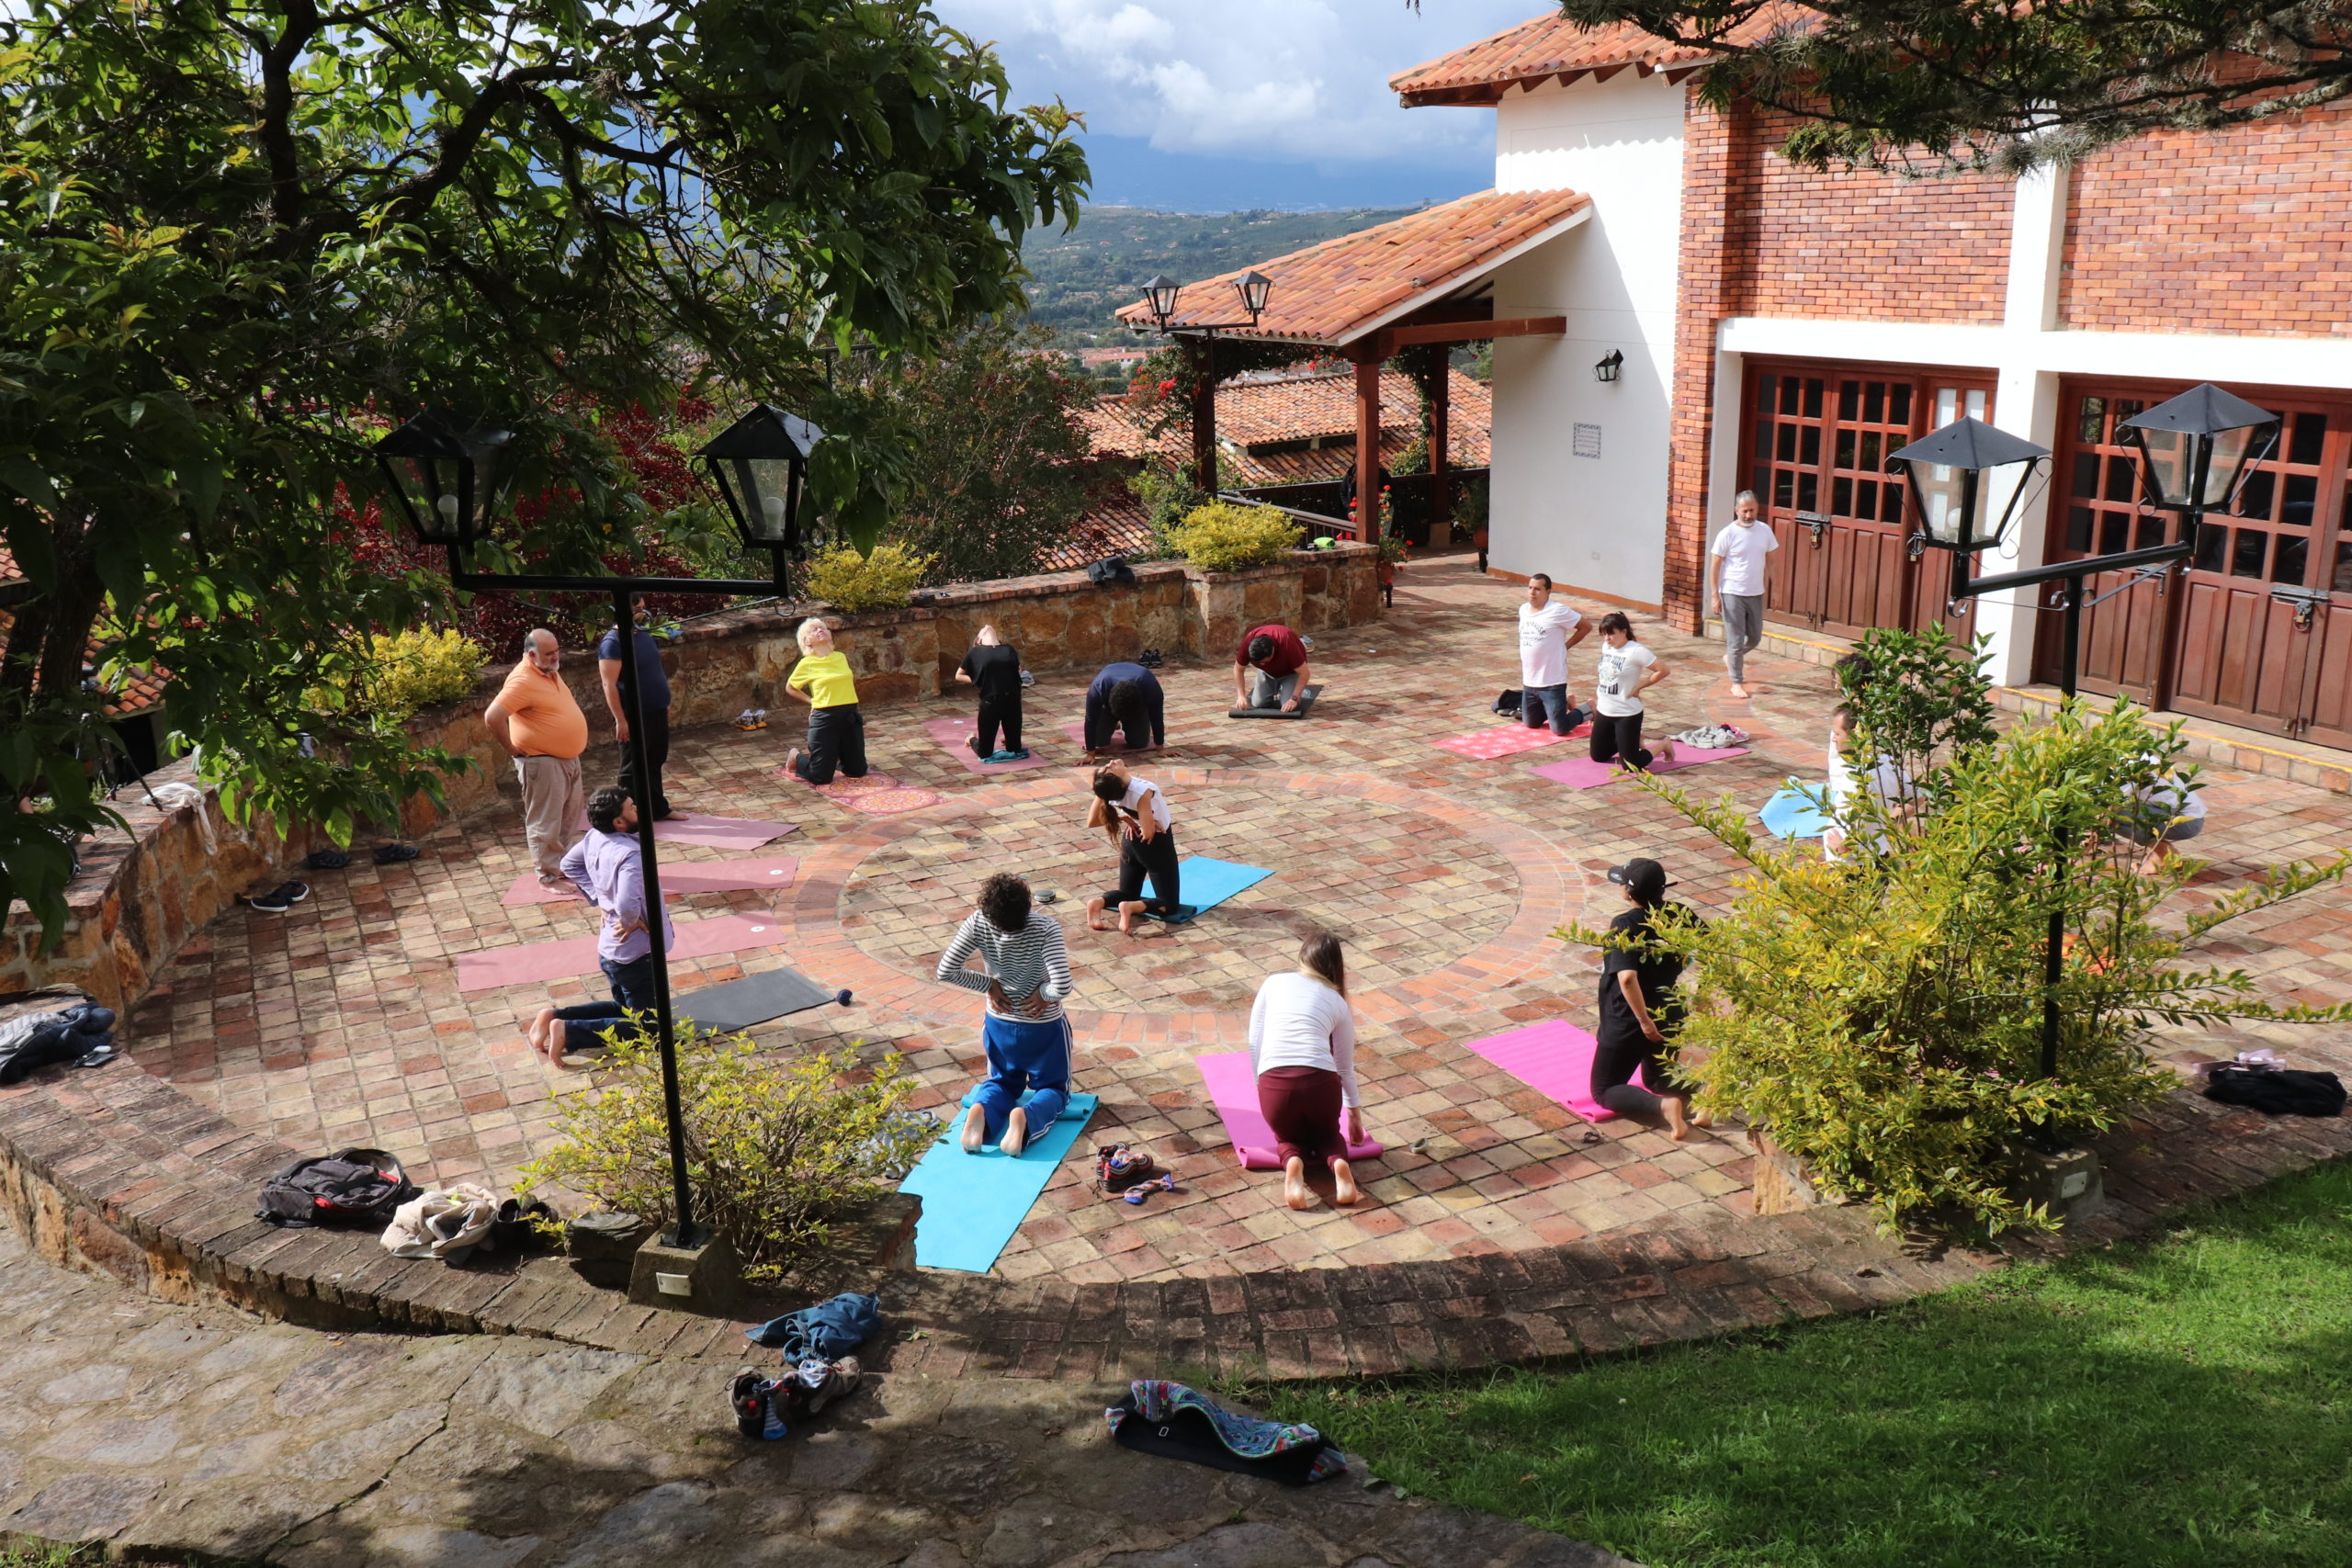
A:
(882, 580)
(418, 668)
(1223, 536)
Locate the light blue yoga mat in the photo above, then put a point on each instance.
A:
(1792, 814)
(1205, 883)
(972, 1204)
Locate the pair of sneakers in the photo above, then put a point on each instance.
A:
(279, 900)
(762, 1404)
(1003, 754)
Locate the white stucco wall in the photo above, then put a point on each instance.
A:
(1595, 524)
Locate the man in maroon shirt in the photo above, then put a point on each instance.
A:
(1279, 657)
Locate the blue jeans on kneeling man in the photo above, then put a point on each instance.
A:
(1025, 1054)
(1564, 716)
(585, 1026)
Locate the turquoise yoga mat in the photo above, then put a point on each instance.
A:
(1204, 882)
(1792, 814)
(972, 1204)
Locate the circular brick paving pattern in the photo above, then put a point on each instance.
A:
(1407, 893)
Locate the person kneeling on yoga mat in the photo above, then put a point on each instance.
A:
(1302, 1048)
(1279, 658)
(1639, 1009)
(1627, 669)
(1026, 974)
(996, 670)
(836, 728)
(608, 867)
(1134, 813)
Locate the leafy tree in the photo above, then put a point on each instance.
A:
(1917, 697)
(1991, 82)
(996, 462)
(238, 236)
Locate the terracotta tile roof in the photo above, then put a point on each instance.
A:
(1551, 46)
(132, 691)
(1114, 524)
(1254, 416)
(1338, 292)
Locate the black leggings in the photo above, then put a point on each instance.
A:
(1614, 1065)
(1615, 737)
(1155, 859)
(992, 715)
(836, 741)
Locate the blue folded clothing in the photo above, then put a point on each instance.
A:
(828, 1330)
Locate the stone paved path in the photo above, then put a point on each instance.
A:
(158, 1430)
(342, 1022)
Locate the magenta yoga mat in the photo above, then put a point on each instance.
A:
(951, 735)
(1554, 1059)
(693, 876)
(1583, 773)
(1505, 740)
(543, 961)
(1233, 1089)
(719, 832)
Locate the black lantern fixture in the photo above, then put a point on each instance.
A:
(1254, 287)
(1159, 294)
(448, 474)
(1950, 477)
(2195, 448)
(1609, 364)
(760, 465)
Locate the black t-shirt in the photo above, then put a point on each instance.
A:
(996, 672)
(1654, 971)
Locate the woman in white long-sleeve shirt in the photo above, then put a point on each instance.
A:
(1302, 1048)
(1026, 974)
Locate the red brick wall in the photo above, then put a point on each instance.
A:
(1862, 245)
(1711, 246)
(2246, 231)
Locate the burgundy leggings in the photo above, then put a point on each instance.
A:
(1301, 1105)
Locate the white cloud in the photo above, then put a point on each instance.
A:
(1284, 81)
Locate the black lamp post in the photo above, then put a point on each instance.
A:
(449, 476)
(2195, 450)
(1159, 294)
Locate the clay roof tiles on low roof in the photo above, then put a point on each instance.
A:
(1343, 288)
(1551, 46)
(1252, 416)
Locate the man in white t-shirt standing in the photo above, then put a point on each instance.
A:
(1546, 632)
(1739, 553)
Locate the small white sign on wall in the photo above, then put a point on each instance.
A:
(1586, 441)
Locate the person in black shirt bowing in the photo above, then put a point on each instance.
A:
(1639, 1009)
(995, 668)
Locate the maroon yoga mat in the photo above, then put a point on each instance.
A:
(689, 876)
(543, 961)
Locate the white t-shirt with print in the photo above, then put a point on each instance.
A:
(1620, 673)
(1543, 643)
(1132, 801)
(1742, 547)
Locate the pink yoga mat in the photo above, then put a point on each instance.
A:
(1583, 773)
(1075, 731)
(696, 876)
(719, 832)
(1233, 1089)
(876, 795)
(1554, 1059)
(542, 961)
(1506, 740)
(952, 734)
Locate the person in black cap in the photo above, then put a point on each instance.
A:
(1639, 1011)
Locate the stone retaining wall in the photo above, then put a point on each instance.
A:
(141, 894)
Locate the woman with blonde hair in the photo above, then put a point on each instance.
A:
(836, 729)
(1302, 1048)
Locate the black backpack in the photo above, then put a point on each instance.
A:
(1110, 570)
(2277, 1091)
(1509, 701)
(351, 1187)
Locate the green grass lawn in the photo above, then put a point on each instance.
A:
(2187, 1401)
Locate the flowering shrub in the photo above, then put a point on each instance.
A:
(882, 581)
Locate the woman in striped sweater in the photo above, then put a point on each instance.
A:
(1025, 975)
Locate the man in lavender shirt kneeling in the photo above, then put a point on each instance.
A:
(608, 868)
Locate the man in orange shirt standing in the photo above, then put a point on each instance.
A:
(538, 721)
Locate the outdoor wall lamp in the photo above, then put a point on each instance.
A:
(2195, 448)
(1159, 296)
(448, 474)
(1947, 471)
(1609, 364)
(759, 467)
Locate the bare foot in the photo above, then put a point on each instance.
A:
(1294, 1189)
(535, 1032)
(1016, 1132)
(976, 1130)
(550, 1035)
(792, 761)
(1343, 1184)
(1739, 691)
(1127, 913)
(1094, 916)
(1665, 751)
(1677, 1117)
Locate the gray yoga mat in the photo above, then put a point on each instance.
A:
(755, 999)
(1306, 705)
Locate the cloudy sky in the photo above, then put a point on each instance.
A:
(1200, 105)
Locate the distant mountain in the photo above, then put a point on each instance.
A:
(1081, 277)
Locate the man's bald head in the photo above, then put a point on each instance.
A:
(541, 648)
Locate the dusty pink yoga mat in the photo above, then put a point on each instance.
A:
(719, 832)
(1554, 1059)
(1507, 739)
(695, 876)
(952, 734)
(1233, 1089)
(542, 961)
(1583, 773)
(1075, 731)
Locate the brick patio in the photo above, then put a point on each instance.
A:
(342, 1022)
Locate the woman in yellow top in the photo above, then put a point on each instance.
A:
(836, 729)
